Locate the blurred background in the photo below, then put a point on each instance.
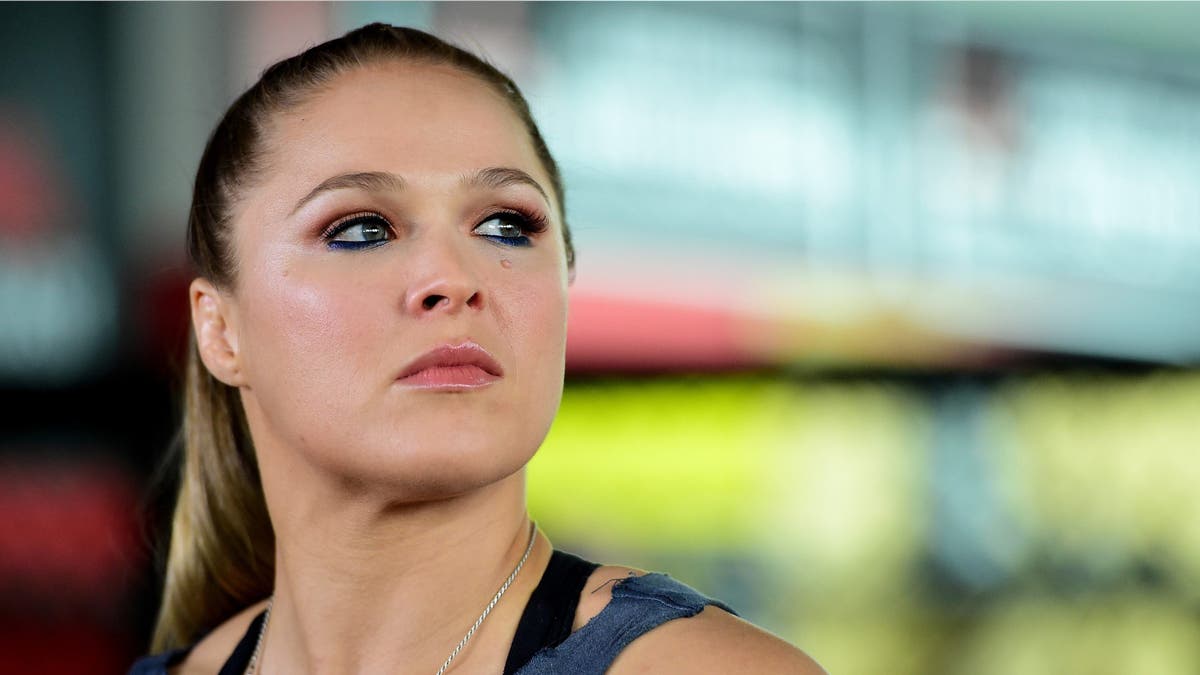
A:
(884, 332)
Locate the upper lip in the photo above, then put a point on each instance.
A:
(465, 353)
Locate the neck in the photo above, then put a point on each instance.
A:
(364, 586)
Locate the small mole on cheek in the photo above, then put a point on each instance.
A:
(505, 263)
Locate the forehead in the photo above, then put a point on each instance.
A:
(423, 122)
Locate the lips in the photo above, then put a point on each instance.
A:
(454, 366)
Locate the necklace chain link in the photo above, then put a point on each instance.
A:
(252, 666)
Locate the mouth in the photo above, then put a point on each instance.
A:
(452, 367)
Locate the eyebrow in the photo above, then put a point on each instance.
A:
(501, 177)
(381, 181)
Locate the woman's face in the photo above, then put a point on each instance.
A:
(428, 243)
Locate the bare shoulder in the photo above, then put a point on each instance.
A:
(210, 653)
(597, 591)
(713, 641)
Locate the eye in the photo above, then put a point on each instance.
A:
(509, 228)
(358, 231)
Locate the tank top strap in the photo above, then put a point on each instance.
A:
(550, 612)
(638, 605)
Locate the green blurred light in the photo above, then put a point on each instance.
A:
(822, 481)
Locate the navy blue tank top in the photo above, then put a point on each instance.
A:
(543, 643)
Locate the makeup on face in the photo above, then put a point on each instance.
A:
(429, 248)
(452, 367)
(364, 210)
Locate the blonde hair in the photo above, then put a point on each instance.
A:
(221, 555)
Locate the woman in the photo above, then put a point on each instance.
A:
(379, 327)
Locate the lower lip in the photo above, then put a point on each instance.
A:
(449, 377)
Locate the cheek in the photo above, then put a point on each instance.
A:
(533, 313)
(307, 331)
(538, 330)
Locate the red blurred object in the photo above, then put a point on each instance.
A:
(64, 647)
(30, 193)
(163, 315)
(626, 334)
(68, 535)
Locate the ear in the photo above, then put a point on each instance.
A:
(570, 275)
(216, 332)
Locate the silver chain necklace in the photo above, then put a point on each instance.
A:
(252, 666)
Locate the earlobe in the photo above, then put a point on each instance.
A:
(216, 337)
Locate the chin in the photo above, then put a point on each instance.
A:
(435, 464)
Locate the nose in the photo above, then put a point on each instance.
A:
(443, 282)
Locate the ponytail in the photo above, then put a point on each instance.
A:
(222, 545)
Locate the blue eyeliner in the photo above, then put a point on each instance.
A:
(519, 241)
(355, 245)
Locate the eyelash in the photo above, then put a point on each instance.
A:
(529, 222)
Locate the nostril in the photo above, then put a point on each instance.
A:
(432, 301)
